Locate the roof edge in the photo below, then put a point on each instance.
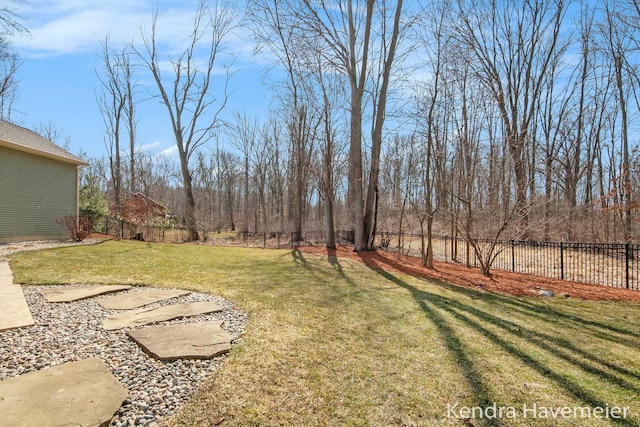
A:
(24, 149)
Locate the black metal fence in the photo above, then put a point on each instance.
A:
(285, 240)
(171, 232)
(155, 231)
(609, 264)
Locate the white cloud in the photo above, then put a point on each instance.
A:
(171, 152)
(151, 147)
(70, 26)
(159, 149)
(66, 27)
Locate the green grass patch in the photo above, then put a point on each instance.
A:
(333, 342)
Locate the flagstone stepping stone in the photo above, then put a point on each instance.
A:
(69, 294)
(82, 393)
(202, 340)
(129, 300)
(6, 276)
(144, 316)
(14, 311)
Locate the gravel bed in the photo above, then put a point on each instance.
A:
(66, 332)
(9, 248)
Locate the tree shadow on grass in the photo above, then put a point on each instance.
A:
(299, 259)
(319, 273)
(334, 261)
(506, 333)
(627, 336)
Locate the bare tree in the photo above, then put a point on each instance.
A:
(328, 149)
(188, 95)
(244, 133)
(273, 139)
(156, 176)
(261, 156)
(512, 47)
(431, 118)
(228, 169)
(131, 120)
(346, 30)
(10, 24)
(617, 46)
(358, 40)
(205, 181)
(112, 103)
(390, 31)
(9, 65)
(398, 182)
(557, 135)
(10, 20)
(50, 131)
(276, 29)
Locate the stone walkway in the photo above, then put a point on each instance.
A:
(127, 301)
(14, 312)
(146, 316)
(85, 392)
(202, 340)
(82, 393)
(75, 294)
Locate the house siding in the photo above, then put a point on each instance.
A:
(34, 191)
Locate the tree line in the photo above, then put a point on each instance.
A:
(485, 120)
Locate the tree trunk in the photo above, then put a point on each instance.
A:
(245, 213)
(520, 172)
(399, 247)
(190, 204)
(355, 171)
(429, 255)
(329, 221)
(376, 136)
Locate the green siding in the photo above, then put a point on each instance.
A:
(34, 191)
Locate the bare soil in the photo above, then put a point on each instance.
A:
(502, 282)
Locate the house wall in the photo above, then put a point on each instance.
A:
(34, 191)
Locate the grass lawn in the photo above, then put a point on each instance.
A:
(333, 342)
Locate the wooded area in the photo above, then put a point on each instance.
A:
(483, 120)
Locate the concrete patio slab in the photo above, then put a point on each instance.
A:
(135, 299)
(14, 311)
(76, 293)
(82, 393)
(145, 316)
(202, 340)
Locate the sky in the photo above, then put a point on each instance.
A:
(58, 82)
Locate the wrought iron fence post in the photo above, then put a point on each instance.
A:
(626, 264)
(561, 261)
(446, 248)
(513, 256)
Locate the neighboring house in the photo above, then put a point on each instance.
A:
(139, 209)
(38, 183)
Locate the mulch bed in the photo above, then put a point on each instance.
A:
(500, 281)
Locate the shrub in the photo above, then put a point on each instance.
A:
(78, 227)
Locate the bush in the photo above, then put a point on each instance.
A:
(78, 227)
